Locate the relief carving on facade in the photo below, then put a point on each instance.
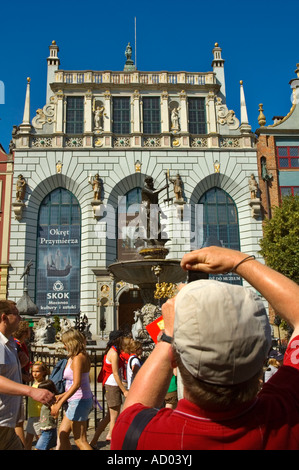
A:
(226, 116)
(43, 116)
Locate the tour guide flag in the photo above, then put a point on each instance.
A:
(155, 327)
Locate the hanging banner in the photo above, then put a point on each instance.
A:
(58, 270)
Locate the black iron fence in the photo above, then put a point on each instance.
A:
(51, 357)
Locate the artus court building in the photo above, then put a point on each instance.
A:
(80, 165)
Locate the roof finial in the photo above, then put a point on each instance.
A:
(262, 118)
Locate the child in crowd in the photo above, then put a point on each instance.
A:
(134, 363)
(48, 423)
(39, 373)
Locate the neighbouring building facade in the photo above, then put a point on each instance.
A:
(278, 153)
(6, 181)
(81, 163)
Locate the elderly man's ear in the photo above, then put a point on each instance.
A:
(172, 358)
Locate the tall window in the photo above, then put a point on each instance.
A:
(121, 115)
(74, 115)
(220, 224)
(197, 115)
(151, 115)
(58, 254)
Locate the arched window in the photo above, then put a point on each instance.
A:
(220, 224)
(58, 254)
(128, 210)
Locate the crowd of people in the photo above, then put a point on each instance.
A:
(238, 393)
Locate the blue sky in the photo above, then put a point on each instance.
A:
(259, 41)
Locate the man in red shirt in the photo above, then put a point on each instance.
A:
(220, 338)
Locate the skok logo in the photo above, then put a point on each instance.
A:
(2, 93)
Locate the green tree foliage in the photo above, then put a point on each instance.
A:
(280, 244)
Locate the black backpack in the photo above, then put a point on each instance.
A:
(57, 375)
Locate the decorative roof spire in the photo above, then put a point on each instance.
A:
(218, 69)
(244, 118)
(53, 65)
(26, 116)
(25, 127)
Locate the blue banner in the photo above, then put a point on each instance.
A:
(58, 270)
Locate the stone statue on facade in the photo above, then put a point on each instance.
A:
(97, 187)
(253, 187)
(20, 188)
(175, 119)
(98, 117)
(177, 187)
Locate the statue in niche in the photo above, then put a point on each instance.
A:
(20, 188)
(175, 119)
(98, 117)
(252, 186)
(97, 187)
(177, 186)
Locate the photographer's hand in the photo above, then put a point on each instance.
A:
(281, 292)
(213, 259)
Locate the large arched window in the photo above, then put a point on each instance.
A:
(220, 224)
(128, 210)
(58, 254)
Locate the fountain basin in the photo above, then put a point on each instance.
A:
(140, 272)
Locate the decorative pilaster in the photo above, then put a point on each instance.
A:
(184, 112)
(164, 112)
(136, 111)
(107, 120)
(59, 112)
(212, 126)
(88, 112)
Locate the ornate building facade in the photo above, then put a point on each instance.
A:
(278, 153)
(84, 158)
